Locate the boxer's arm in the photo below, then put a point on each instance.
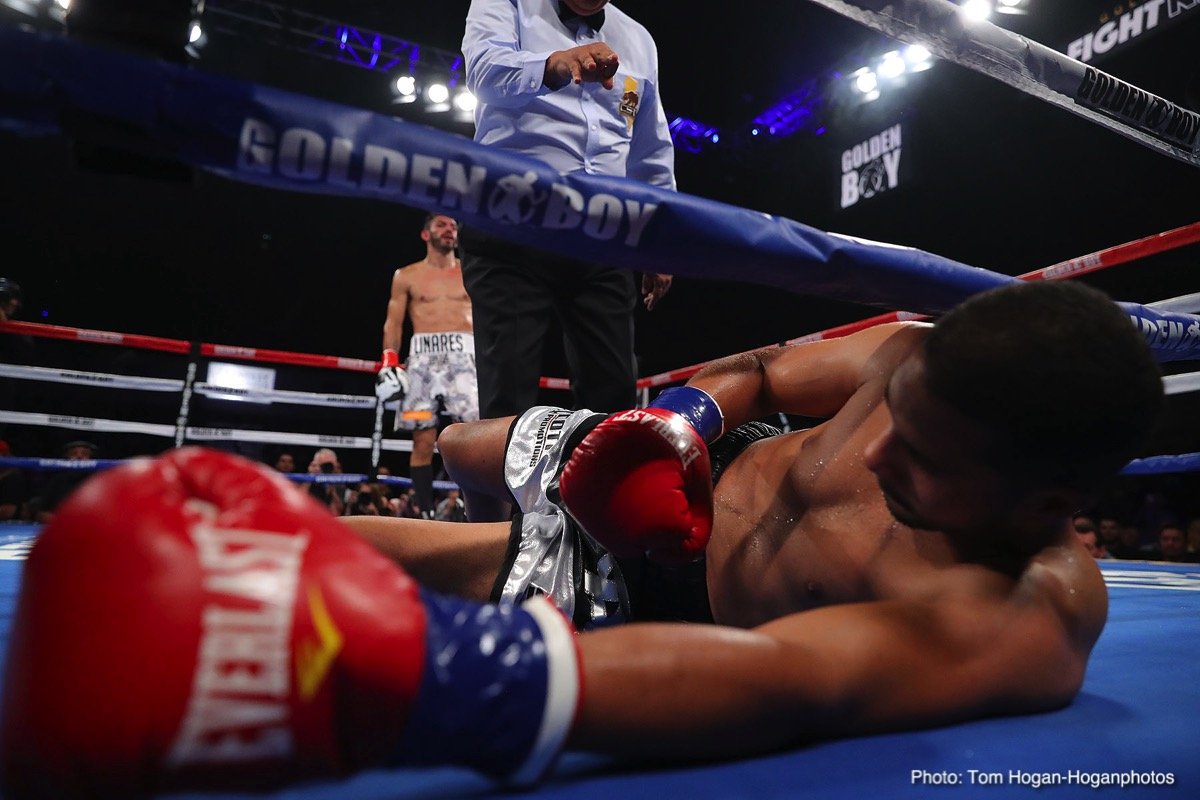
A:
(243, 639)
(397, 310)
(813, 379)
(391, 381)
(710, 692)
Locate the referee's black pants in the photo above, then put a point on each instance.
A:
(515, 294)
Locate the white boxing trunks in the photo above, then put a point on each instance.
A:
(548, 552)
(441, 373)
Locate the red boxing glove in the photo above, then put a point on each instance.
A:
(640, 482)
(196, 622)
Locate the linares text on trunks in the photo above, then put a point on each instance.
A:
(304, 156)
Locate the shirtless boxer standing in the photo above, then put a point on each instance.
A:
(907, 563)
(440, 369)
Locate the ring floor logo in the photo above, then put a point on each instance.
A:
(15, 549)
(1152, 579)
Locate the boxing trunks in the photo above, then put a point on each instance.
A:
(549, 553)
(441, 372)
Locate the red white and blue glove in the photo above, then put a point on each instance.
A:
(391, 382)
(196, 622)
(640, 482)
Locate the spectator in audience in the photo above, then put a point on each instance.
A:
(1082, 522)
(14, 348)
(64, 482)
(285, 462)
(1193, 536)
(325, 461)
(1128, 544)
(10, 299)
(1171, 546)
(386, 490)
(399, 505)
(1091, 543)
(370, 500)
(14, 490)
(452, 508)
(1109, 530)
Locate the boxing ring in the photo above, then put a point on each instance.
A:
(1134, 723)
(1131, 728)
(360, 424)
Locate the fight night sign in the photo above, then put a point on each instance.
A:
(871, 166)
(1126, 23)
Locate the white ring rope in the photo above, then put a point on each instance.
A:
(200, 433)
(288, 396)
(1184, 304)
(1032, 68)
(81, 378)
(1182, 384)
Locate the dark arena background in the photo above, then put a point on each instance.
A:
(149, 264)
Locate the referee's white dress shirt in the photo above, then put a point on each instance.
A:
(620, 131)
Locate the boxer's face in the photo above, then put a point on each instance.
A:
(1172, 542)
(928, 461)
(442, 233)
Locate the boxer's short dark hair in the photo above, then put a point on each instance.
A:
(1059, 374)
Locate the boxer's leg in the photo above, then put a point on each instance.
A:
(458, 558)
(421, 468)
(473, 453)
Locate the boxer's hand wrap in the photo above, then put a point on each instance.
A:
(391, 383)
(697, 407)
(640, 482)
(501, 688)
(196, 622)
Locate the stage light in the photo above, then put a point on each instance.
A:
(465, 101)
(891, 65)
(976, 10)
(1012, 7)
(437, 93)
(405, 88)
(866, 82)
(917, 53)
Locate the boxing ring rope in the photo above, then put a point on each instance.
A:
(1071, 268)
(184, 431)
(276, 139)
(1034, 69)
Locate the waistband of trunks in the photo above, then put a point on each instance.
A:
(424, 344)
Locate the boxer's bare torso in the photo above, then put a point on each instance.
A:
(800, 522)
(436, 299)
